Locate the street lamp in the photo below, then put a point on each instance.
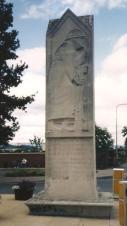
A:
(118, 105)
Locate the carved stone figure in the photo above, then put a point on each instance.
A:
(69, 71)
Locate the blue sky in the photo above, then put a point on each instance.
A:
(110, 49)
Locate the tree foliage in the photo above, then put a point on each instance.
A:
(37, 143)
(104, 141)
(10, 75)
(124, 133)
(104, 148)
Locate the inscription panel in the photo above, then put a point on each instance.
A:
(70, 169)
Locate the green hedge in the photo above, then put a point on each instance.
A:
(21, 172)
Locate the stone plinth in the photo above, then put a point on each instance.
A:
(99, 208)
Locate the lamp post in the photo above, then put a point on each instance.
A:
(117, 106)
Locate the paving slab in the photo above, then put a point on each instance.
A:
(16, 213)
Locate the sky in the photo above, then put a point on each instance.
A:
(110, 60)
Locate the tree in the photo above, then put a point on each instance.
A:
(37, 143)
(10, 75)
(124, 133)
(104, 139)
(104, 147)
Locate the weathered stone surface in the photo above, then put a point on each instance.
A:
(70, 135)
(70, 156)
(69, 99)
(70, 172)
(88, 210)
(99, 208)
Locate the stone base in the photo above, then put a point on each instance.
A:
(101, 208)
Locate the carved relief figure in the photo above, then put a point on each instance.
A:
(67, 80)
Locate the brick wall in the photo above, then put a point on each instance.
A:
(14, 159)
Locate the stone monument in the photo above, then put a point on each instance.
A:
(70, 182)
(70, 139)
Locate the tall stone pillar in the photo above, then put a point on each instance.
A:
(70, 138)
(70, 182)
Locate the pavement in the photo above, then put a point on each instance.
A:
(16, 213)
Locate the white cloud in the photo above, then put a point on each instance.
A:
(35, 12)
(122, 42)
(54, 8)
(47, 9)
(27, 132)
(32, 122)
(78, 6)
(116, 64)
(111, 88)
(117, 3)
(35, 58)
